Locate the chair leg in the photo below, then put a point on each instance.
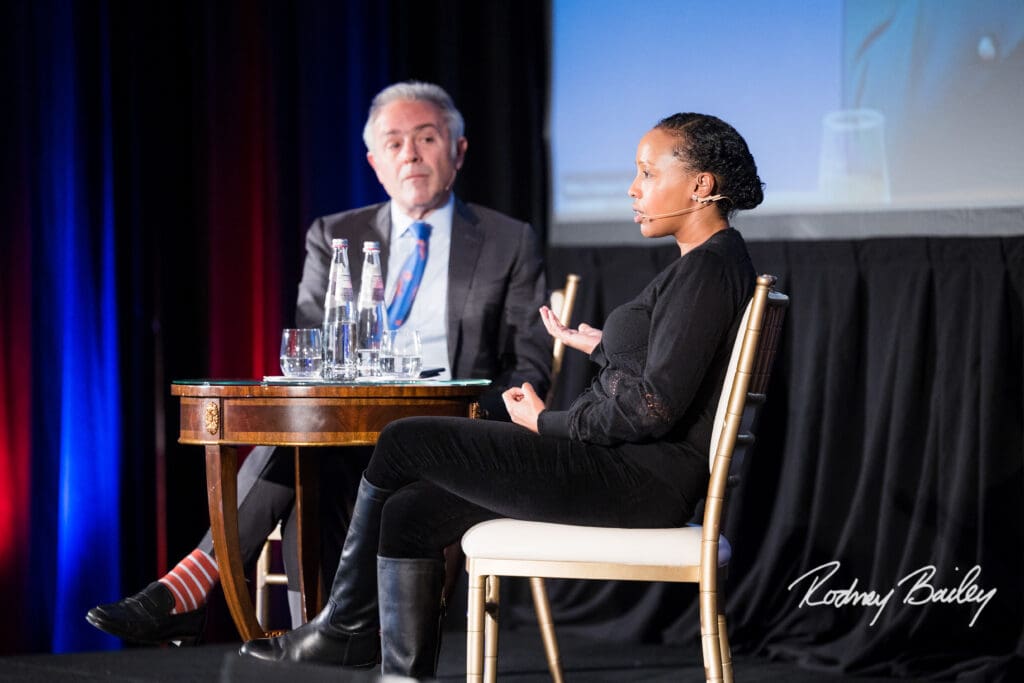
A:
(493, 589)
(710, 643)
(726, 653)
(723, 639)
(475, 627)
(262, 589)
(547, 627)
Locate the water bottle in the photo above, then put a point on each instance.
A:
(372, 317)
(339, 317)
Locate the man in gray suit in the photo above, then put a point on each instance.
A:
(476, 308)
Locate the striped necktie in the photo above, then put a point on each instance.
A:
(409, 277)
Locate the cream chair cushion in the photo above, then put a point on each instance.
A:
(512, 539)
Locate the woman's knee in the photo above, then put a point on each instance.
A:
(405, 445)
(400, 436)
(417, 428)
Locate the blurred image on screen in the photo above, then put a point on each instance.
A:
(855, 105)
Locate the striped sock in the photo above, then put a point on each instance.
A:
(191, 580)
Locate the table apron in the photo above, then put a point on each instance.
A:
(301, 421)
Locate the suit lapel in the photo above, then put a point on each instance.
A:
(382, 228)
(466, 242)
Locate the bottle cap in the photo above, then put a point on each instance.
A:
(371, 246)
(339, 242)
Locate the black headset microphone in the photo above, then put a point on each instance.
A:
(704, 202)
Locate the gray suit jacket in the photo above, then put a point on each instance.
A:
(496, 283)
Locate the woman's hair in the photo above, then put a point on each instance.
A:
(425, 92)
(709, 144)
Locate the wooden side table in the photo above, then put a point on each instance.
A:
(221, 415)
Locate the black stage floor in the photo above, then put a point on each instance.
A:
(521, 660)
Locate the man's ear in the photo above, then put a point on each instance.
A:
(373, 165)
(460, 152)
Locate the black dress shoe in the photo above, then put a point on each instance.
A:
(319, 642)
(146, 618)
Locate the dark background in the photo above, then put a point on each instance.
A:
(161, 162)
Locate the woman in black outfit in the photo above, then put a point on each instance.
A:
(631, 451)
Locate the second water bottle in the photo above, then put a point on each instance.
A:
(372, 318)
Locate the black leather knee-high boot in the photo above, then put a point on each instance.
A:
(411, 610)
(346, 632)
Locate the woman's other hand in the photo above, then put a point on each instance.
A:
(583, 339)
(523, 405)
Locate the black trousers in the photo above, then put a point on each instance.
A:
(448, 474)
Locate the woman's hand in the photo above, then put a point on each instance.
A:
(523, 405)
(583, 339)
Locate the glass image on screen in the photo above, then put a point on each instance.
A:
(846, 105)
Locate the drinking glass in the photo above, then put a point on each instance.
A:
(401, 354)
(302, 354)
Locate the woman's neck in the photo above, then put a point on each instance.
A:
(698, 232)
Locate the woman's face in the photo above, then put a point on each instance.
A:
(662, 185)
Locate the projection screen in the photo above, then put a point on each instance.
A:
(865, 117)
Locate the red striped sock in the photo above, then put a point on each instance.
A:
(191, 580)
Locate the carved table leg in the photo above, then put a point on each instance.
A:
(222, 494)
(307, 509)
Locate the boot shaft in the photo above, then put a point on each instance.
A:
(354, 590)
(411, 610)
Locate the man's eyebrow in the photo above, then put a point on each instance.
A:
(395, 131)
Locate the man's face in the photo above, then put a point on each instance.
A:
(412, 156)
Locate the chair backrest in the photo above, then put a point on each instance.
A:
(743, 394)
(730, 378)
(562, 302)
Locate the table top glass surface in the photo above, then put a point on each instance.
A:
(300, 381)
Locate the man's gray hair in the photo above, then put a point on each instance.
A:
(416, 90)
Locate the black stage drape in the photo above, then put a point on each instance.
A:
(890, 451)
(492, 57)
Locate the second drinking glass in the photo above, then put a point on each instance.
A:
(401, 354)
